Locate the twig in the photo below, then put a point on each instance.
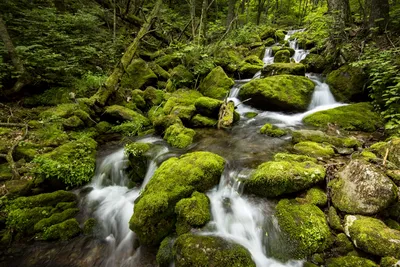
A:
(7, 124)
(228, 30)
(385, 158)
(387, 36)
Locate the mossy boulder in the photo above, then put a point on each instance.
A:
(350, 261)
(138, 159)
(73, 122)
(361, 188)
(161, 73)
(63, 231)
(153, 96)
(199, 121)
(216, 84)
(185, 113)
(165, 254)
(372, 236)
(179, 136)
(272, 130)
(181, 76)
(55, 218)
(388, 262)
(180, 97)
(43, 200)
(268, 32)
(321, 137)
(282, 56)
(334, 219)
(169, 61)
(192, 212)
(347, 84)
(228, 115)
(314, 149)
(317, 197)
(274, 178)
(137, 75)
(250, 66)
(197, 250)
(163, 122)
(304, 226)
(63, 112)
(293, 157)
(284, 68)
(279, 36)
(137, 99)
(279, 93)
(229, 58)
(355, 117)
(208, 106)
(121, 114)
(315, 63)
(177, 178)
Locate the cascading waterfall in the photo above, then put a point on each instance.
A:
(299, 54)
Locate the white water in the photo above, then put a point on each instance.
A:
(299, 54)
(113, 202)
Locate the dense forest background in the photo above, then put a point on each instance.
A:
(50, 48)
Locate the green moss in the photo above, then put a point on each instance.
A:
(350, 261)
(169, 61)
(154, 216)
(202, 121)
(250, 66)
(55, 218)
(315, 63)
(137, 75)
(130, 128)
(64, 111)
(63, 231)
(208, 106)
(228, 115)
(342, 245)
(282, 56)
(194, 211)
(334, 219)
(137, 157)
(267, 32)
(393, 224)
(185, 113)
(103, 127)
(153, 97)
(137, 99)
(181, 76)
(61, 206)
(314, 149)
(89, 225)
(25, 150)
(284, 68)
(321, 137)
(216, 84)
(72, 163)
(160, 72)
(229, 58)
(279, 36)
(317, 197)
(275, 178)
(50, 134)
(355, 117)
(5, 172)
(43, 200)
(180, 98)
(367, 155)
(373, 236)
(179, 136)
(163, 122)
(196, 250)
(304, 226)
(50, 97)
(251, 115)
(271, 130)
(280, 92)
(347, 84)
(22, 221)
(73, 122)
(117, 113)
(16, 188)
(388, 262)
(293, 157)
(165, 253)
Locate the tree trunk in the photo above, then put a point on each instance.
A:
(340, 10)
(112, 82)
(203, 20)
(23, 78)
(379, 14)
(231, 12)
(260, 9)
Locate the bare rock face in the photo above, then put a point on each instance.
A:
(362, 189)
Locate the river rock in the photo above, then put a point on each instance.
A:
(284, 68)
(207, 106)
(313, 149)
(372, 236)
(198, 250)
(282, 56)
(177, 178)
(136, 153)
(280, 93)
(250, 66)
(120, 114)
(304, 226)
(216, 84)
(321, 137)
(179, 136)
(137, 75)
(274, 178)
(350, 261)
(355, 117)
(315, 63)
(361, 188)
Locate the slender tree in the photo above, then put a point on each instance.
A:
(231, 12)
(340, 9)
(379, 14)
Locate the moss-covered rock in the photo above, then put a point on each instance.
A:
(25, 150)
(315, 63)
(334, 219)
(284, 68)
(317, 197)
(250, 66)
(181, 76)
(293, 157)
(347, 84)
(361, 188)
(55, 218)
(202, 121)
(314, 149)
(321, 137)
(180, 97)
(153, 97)
(372, 236)
(208, 106)
(63, 231)
(271, 130)
(22, 221)
(154, 216)
(228, 115)
(267, 32)
(89, 226)
(282, 56)
(73, 122)
(192, 212)
(43, 200)
(197, 250)
(217, 84)
(137, 98)
(388, 262)
(138, 75)
(5, 172)
(136, 153)
(120, 114)
(62, 112)
(165, 253)
(179, 136)
(281, 93)
(161, 73)
(229, 58)
(350, 261)
(163, 122)
(279, 36)
(304, 226)
(356, 117)
(185, 113)
(275, 178)
(169, 61)
(72, 163)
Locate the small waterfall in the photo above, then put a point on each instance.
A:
(268, 57)
(112, 202)
(322, 95)
(299, 54)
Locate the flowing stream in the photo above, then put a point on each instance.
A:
(242, 219)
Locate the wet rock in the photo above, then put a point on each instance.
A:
(284, 68)
(315, 63)
(321, 137)
(120, 114)
(350, 261)
(250, 66)
(138, 74)
(208, 106)
(180, 97)
(281, 93)
(271, 130)
(282, 56)
(334, 219)
(136, 153)
(165, 253)
(372, 236)
(177, 178)
(179, 136)
(63, 231)
(314, 149)
(362, 189)
(304, 226)
(196, 250)
(274, 178)
(355, 117)
(316, 196)
(216, 84)
(203, 121)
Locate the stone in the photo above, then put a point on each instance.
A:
(314, 149)
(284, 68)
(216, 84)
